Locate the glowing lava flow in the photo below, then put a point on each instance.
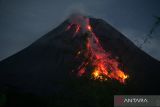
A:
(102, 65)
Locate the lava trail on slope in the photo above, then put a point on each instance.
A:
(97, 62)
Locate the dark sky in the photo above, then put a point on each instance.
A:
(24, 21)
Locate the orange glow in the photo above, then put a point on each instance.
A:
(103, 66)
(89, 27)
(96, 73)
(97, 76)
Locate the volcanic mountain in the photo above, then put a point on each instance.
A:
(58, 65)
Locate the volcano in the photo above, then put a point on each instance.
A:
(82, 62)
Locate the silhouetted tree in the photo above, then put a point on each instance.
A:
(154, 27)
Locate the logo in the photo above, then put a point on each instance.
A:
(136, 100)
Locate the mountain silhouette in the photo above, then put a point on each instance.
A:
(45, 69)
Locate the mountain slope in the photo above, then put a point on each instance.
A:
(45, 68)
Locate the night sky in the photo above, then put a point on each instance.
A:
(24, 21)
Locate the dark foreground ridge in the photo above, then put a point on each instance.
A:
(41, 74)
